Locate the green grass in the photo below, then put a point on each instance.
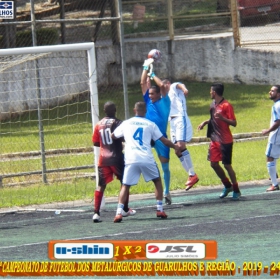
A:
(252, 108)
(248, 163)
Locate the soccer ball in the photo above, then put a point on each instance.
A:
(155, 54)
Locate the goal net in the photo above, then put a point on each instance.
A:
(48, 107)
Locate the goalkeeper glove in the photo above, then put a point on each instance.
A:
(151, 74)
(147, 63)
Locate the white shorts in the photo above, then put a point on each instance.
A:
(181, 129)
(272, 150)
(133, 171)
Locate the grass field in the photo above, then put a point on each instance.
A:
(252, 108)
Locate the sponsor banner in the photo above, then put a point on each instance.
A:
(172, 251)
(85, 250)
(7, 9)
(133, 250)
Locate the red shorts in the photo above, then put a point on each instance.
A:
(220, 152)
(106, 174)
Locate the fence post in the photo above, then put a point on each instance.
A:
(115, 28)
(170, 19)
(33, 23)
(62, 24)
(235, 23)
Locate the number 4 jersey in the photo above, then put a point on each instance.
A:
(138, 133)
(110, 150)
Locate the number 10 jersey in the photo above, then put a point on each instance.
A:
(110, 150)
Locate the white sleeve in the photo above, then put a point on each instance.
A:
(118, 132)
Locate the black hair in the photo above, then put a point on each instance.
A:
(156, 88)
(218, 88)
(166, 80)
(110, 109)
(278, 88)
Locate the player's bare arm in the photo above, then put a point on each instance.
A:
(183, 88)
(272, 128)
(200, 127)
(164, 88)
(168, 143)
(228, 121)
(113, 136)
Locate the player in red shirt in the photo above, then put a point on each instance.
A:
(220, 148)
(111, 158)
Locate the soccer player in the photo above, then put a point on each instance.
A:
(138, 133)
(158, 107)
(181, 129)
(273, 145)
(220, 148)
(111, 158)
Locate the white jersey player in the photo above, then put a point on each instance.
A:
(181, 129)
(273, 145)
(138, 133)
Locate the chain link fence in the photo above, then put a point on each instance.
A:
(59, 22)
(41, 22)
(258, 22)
(173, 18)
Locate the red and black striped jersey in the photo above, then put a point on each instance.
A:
(220, 129)
(110, 150)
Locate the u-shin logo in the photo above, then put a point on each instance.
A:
(85, 250)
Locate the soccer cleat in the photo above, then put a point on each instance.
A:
(225, 192)
(236, 195)
(161, 215)
(167, 198)
(118, 218)
(273, 188)
(130, 212)
(96, 218)
(191, 182)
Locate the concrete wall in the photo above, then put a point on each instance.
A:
(206, 59)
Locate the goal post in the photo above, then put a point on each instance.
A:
(52, 91)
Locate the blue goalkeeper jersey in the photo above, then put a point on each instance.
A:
(158, 112)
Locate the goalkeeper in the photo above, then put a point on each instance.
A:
(158, 108)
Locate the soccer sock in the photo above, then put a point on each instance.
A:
(271, 167)
(97, 201)
(184, 164)
(166, 176)
(235, 187)
(119, 209)
(159, 205)
(187, 162)
(226, 182)
(125, 207)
